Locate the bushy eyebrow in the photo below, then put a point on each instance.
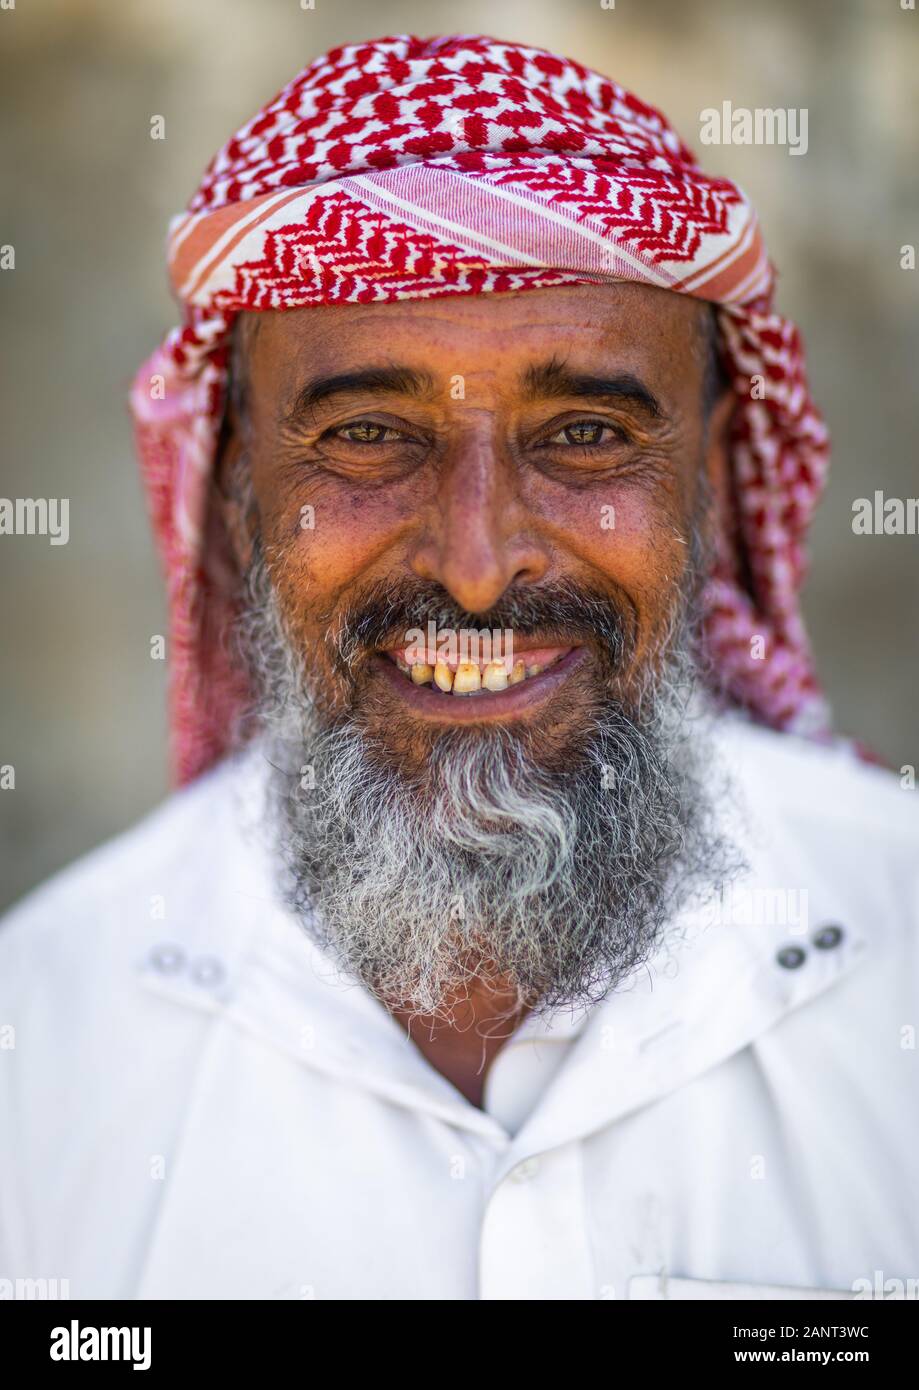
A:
(400, 381)
(554, 380)
(551, 380)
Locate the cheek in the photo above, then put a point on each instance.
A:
(330, 536)
(629, 535)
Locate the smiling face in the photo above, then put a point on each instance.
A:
(477, 460)
(534, 468)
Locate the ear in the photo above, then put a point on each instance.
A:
(718, 460)
(234, 493)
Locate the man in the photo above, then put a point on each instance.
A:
(521, 931)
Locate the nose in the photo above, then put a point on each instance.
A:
(479, 539)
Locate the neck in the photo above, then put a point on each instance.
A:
(463, 1042)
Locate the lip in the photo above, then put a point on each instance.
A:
(484, 708)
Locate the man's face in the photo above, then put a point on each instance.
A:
(533, 465)
(485, 447)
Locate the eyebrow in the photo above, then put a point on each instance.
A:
(375, 381)
(555, 380)
(549, 380)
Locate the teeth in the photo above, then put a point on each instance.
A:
(494, 677)
(443, 676)
(467, 678)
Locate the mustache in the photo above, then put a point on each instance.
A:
(557, 613)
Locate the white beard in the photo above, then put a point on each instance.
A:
(485, 864)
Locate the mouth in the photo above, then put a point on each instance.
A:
(469, 691)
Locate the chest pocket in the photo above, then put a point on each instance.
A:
(666, 1288)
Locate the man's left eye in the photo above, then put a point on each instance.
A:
(367, 432)
(582, 432)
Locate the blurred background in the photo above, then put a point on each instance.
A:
(86, 198)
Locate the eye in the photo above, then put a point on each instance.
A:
(585, 434)
(367, 432)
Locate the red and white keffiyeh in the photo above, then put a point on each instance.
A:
(407, 168)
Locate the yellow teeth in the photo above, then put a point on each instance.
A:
(443, 676)
(494, 677)
(468, 679)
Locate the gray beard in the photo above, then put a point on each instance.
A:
(556, 884)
